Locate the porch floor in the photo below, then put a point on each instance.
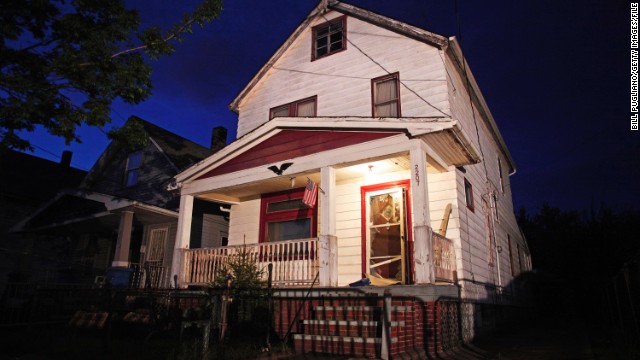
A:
(427, 292)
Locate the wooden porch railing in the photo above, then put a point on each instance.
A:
(444, 258)
(295, 262)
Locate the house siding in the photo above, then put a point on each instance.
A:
(244, 222)
(474, 254)
(342, 81)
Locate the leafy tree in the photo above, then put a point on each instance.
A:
(63, 63)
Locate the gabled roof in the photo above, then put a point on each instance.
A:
(415, 127)
(450, 45)
(73, 206)
(22, 176)
(356, 12)
(179, 152)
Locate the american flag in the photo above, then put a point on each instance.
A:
(310, 194)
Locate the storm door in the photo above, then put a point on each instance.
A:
(385, 234)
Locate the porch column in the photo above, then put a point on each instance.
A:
(422, 246)
(328, 247)
(121, 256)
(183, 236)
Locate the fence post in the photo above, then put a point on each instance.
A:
(270, 304)
(386, 326)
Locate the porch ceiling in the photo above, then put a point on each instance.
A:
(344, 173)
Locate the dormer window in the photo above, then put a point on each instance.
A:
(301, 108)
(132, 170)
(329, 38)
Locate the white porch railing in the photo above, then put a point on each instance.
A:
(295, 262)
(444, 258)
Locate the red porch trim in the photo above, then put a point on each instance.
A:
(289, 144)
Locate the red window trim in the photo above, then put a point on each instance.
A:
(395, 75)
(310, 213)
(405, 184)
(314, 31)
(293, 106)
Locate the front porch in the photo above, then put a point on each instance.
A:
(374, 212)
(295, 262)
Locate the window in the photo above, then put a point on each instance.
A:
(500, 174)
(300, 108)
(132, 170)
(385, 93)
(468, 194)
(285, 217)
(329, 38)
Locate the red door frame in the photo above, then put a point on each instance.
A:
(400, 184)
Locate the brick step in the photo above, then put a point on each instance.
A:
(348, 327)
(341, 328)
(363, 313)
(338, 345)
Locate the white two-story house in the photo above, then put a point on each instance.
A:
(389, 123)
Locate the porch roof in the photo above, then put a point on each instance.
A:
(245, 168)
(74, 206)
(443, 134)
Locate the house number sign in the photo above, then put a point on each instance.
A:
(417, 175)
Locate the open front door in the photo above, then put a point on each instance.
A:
(385, 238)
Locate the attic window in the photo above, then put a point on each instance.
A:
(301, 108)
(132, 170)
(329, 38)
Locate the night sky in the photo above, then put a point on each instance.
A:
(554, 73)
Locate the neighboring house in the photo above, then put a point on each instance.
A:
(26, 183)
(413, 174)
(123, 214)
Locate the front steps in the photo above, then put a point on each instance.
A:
(348, 330)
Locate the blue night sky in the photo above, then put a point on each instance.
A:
(554, 73)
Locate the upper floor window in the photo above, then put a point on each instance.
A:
(300, 108)
(285, 217)
(132, 170)
(385, 92)
(329, 38)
